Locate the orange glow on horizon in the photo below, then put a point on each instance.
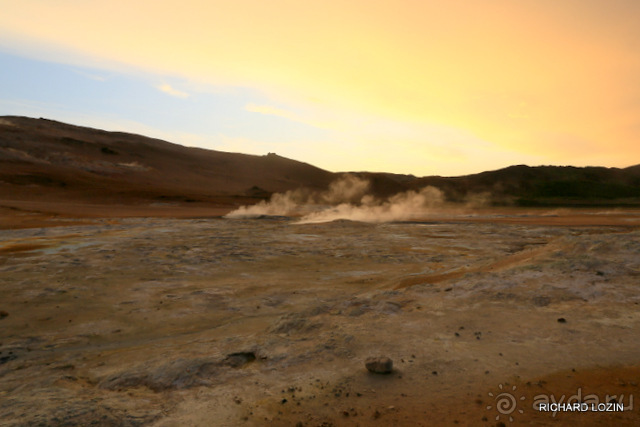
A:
(556, 80)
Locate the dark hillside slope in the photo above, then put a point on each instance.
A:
(41, 158)
(545, 186)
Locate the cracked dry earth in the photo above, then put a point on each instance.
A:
(219, 322)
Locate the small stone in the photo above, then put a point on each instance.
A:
(3, 314)
(379, 365)
(562, 320)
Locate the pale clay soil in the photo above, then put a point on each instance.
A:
(218, 322)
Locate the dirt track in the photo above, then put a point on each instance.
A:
(166, 321)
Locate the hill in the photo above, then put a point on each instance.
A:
(545, 186)
(52, 167)
(48, 160)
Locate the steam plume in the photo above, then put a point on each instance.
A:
(346, 198)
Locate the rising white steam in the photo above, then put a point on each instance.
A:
(401, 207)
(346, 198)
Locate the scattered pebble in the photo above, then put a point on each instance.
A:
(562, 320)
(379, 365)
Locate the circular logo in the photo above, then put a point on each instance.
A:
(506, 403)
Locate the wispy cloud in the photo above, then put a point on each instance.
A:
(168, 89)
(91, 76)
(341, 66)
(273, 111)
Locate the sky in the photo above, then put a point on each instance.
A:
(406, 86)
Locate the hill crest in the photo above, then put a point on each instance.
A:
(42, 159)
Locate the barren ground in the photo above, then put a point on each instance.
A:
(209, 321)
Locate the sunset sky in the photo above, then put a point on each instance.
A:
(421, 87)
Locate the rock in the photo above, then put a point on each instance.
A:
(237, 360)
(379, 365)
(3, 314)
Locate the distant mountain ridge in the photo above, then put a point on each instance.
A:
(44, 159)
(523, 185)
